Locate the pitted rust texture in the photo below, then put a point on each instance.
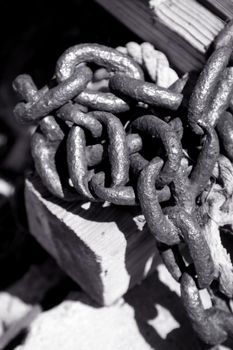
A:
(159, 225)
(206, 161)
(117, 147)
(145, 92)
(103, 101)
(202, 323)
(225, 132)
(106, 134)
(71, 112)
(77, 161)
(55, 97)
(198, 247)
(103, 56)
(119, 195)
(206, 85)
(152, 125)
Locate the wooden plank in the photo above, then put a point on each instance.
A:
(222, 8)
(182, 29)
(105, 249)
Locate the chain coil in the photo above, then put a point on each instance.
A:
(105, 134)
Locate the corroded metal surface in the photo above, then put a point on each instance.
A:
(145, 92)
(206, 85)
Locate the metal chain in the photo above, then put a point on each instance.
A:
(106, 134)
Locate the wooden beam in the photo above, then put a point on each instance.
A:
(182, 29)
(222, 8)
(105, 249)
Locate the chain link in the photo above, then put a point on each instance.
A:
(106, 134)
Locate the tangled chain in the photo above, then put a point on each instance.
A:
(106, 134)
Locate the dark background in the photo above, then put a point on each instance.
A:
(33, 34)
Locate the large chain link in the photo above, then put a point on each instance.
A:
(106, 134)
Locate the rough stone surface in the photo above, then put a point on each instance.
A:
(17, 300)
(149, 317)
(104, 248)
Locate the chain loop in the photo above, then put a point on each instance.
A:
(101, 55)
(212, 325)
(145, 92)
(206, 85)
(152, 125)
(49, 100)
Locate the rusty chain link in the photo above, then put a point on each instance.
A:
(130, 142)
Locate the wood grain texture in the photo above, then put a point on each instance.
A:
(105, 249)
(222, 8)
(182, 29)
